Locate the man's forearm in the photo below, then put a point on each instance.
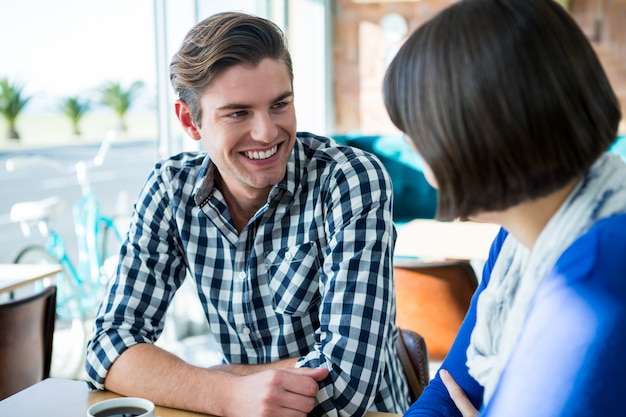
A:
(148, 371)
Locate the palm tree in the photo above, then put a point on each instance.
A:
(120, 99)
(12, 102)
(75, 109)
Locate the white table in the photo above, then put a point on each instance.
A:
(64, 398)
(432, 240)
(13, 276)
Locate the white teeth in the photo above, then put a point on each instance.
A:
(261, 155)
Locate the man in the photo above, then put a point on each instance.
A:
(288, 237)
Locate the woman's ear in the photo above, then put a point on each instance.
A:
(186, 120)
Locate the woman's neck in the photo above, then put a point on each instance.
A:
(525, 221)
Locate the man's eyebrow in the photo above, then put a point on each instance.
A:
(242, 106)
(286, 94)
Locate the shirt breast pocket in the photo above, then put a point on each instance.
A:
(293, 275)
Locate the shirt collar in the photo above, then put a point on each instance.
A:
(203, 188)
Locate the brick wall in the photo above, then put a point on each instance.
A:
(361, 51)
(604, 23)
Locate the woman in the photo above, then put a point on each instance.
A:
(509, 107)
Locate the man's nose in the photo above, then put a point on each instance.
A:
(263, 128)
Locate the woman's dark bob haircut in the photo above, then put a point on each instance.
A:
(505, 100)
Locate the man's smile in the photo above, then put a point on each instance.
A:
(262, 154)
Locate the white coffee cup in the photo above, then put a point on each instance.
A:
(122, 407)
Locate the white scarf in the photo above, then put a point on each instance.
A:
(517, 273)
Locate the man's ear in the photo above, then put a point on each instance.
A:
(186, 120)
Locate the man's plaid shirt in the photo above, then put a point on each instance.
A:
(310, 276)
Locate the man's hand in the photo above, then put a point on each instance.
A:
(276, 393)
(458, 395)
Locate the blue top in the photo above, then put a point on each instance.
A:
(310, 275)
(571, 356)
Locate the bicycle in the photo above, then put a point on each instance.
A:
(81, 284)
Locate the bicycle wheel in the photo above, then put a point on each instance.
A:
(38, 255)
(70, 333)
(65, 286)
(35, 255)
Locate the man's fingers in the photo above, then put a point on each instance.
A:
(317, 374)
(458, 395)
(302, 387)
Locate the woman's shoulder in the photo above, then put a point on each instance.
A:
(601, 250)
(596, 261)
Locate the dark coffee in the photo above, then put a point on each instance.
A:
(124, 411)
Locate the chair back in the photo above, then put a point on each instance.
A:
(26, 331)
(432, 300)
(411, 350)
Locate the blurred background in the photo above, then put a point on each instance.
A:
(68, 49)
(81, 69)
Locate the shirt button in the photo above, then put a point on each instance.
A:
(242, 275)
(245, 331)
(288, 255)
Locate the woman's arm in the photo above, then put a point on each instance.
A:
(435, 400)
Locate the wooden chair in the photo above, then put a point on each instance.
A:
(26, 331)
(411, 350)
(432, 300)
